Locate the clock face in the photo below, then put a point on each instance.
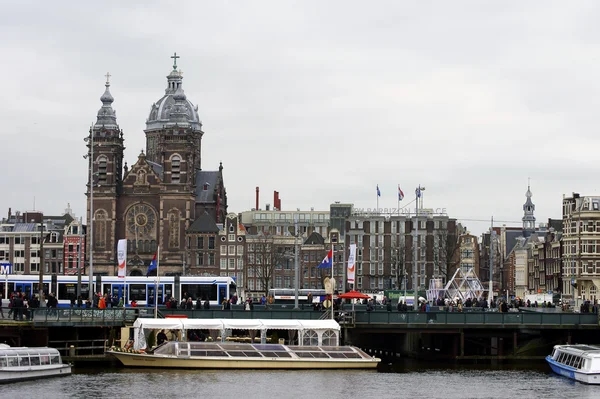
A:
(141, 220)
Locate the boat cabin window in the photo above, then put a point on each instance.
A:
(44, 359)
(55, 359)
(12, 361)
(35, 360)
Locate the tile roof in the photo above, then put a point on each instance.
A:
(206, 176)
(204, 224)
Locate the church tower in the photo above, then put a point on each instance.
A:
(105, 154)
(174, 135)
(528, 218)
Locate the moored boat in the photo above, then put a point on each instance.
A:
(311, 344)
(23, 363)
(577, 362)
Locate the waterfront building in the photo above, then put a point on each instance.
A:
(384, 254)
(546, 274)
(20, 236)
(581, 247)
(469, 254)
(156, 200)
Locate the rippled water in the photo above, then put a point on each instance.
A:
(414, 380)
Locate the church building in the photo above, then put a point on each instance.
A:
(153, 202)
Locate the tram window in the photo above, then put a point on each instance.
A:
(137, 292)
(202, 291)
(67, 290)
(168, 290)
(36, 288)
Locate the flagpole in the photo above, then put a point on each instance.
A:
(332, 280)
(398, 200)
(158, 282)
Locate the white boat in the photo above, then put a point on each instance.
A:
(577, 362)
(22, 363)
(315, 346)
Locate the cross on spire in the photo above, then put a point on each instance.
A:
(108, 75)
(175, 56)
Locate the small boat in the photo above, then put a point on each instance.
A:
(577, 362)
(314, 346)
(23, 363)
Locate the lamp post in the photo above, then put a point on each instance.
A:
(416, 247)
(296, 269)
(90, 141)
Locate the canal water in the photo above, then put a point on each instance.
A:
(398, 380)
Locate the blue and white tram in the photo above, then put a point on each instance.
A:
(138, 288)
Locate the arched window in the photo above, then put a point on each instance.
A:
(102, 166)
(175, 169)
(329, 338)
(141, 177)
(310, 338)
(100, 221)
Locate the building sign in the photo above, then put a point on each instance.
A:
(5, 268)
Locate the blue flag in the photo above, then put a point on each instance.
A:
(152, 267)
(327, 262)
(378, 192)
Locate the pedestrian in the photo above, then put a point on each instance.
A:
(1, 311)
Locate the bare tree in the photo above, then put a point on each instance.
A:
(262, 258)
(398, 262)
(446, 254)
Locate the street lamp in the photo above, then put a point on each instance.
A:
(296, 269)
(416, 246)
(90, 141)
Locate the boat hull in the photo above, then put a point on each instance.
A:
(572, 373)
(145, 360)
(29, 373)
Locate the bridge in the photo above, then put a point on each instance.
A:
(472, 334)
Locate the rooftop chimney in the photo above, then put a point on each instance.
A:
(257, 190)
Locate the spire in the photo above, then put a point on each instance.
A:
(107, 117)
(528, 211)
(174, 78)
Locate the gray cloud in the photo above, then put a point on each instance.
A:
(318, 100)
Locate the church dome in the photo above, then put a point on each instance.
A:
(173, 108)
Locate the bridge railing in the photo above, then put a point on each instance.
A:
(112, 316)
(476, 318)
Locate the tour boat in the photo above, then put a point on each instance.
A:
(577, 362)
(19, 364)
(315, 346)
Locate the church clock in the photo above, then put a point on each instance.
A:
(141, 220)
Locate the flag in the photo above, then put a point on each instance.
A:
(378, 192)
(327, 261)
(122, 258)
(351, 263)
(153, 266)
(418, 192)
(400, 194)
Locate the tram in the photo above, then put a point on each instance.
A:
(287, 296)
(138, 288)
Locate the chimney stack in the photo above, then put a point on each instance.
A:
(257, 190)
(276, 200)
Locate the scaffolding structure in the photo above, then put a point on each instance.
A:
(462, 285)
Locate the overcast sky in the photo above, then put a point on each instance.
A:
(320, 100)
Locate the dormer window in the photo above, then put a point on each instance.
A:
(175, 169)
(205, 186)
